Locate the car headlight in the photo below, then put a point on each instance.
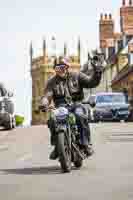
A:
(102, 110)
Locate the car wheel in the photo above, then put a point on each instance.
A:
(9, 124)
(13, 122)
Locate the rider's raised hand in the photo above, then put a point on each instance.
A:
(98, 63)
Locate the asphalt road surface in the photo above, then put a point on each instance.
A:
(26, 173)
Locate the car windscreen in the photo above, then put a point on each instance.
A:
(110, 98)
(3, 92)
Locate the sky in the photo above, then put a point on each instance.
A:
(32, 20)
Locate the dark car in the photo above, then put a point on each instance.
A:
(109, 107)
(89, 105)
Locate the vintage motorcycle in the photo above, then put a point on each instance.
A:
(68, 137)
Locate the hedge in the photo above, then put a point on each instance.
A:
(19, 120)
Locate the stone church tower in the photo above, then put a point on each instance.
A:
(41, 71)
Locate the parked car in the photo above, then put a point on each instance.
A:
(7, 117)
(88, 103)
(110, 106)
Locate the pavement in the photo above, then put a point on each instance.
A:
(26, 173)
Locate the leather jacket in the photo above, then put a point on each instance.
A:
(72, 85)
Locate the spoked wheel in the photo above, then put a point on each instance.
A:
(78, 160)
(64, 153)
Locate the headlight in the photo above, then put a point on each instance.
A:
(79, 111)
(60, 112)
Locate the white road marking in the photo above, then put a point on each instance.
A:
(25, 157)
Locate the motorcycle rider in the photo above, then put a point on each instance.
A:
(65, 85)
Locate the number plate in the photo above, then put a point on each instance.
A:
(123, 112)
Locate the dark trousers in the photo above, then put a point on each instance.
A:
(82, 123)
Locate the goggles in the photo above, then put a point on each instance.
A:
(60, 67)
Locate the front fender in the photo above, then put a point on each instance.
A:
(61, 128)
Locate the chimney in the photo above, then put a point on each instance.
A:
(101, 16)
(106, 29)
(130, 2)
(110, 16)
(106, 16)
(123, 3)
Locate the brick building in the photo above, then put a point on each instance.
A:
(118, 72)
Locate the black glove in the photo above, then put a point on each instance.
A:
(97, 63)
(43, 108)
(43, 104)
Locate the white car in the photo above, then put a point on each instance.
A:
(7, 117)
(89, 108)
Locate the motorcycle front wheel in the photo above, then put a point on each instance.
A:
(64, 153)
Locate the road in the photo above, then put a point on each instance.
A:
(26, 173)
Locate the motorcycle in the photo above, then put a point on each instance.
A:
(68, 138)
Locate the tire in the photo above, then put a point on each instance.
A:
(64, 157)
(78, 163)
(13, 122)
(9, 124)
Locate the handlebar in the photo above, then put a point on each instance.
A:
(44, 109)
(51, 107)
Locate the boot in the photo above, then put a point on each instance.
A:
(54, 154)
(88, 150)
